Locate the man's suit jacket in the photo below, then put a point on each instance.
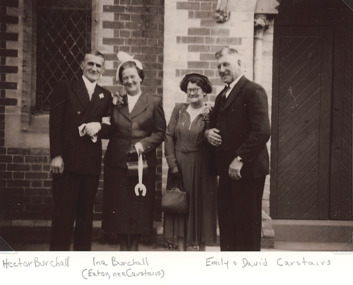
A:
(146, 124)
(244, 127)
(71, 107)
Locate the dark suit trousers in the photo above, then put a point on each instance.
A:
(240, 213)
(74, 196)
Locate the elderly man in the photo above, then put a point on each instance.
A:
(239, 130)
(77, 110)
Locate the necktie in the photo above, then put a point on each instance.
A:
(223, 96)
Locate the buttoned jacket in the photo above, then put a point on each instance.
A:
(71, 107)
(244, 126)
(145, 124)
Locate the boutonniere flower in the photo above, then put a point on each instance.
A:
(118, 100)
(101, 96)
(205, 113)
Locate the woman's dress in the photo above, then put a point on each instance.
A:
(187, 148)
(124, 213)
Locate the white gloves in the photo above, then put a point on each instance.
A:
(90, 129)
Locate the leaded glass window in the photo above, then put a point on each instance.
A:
(63, 37)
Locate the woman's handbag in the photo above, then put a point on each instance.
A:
(174, 201)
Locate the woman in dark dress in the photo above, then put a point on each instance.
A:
(187, 157)
(137, 127)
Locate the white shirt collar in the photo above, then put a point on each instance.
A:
(233, 84)
(131, 100)
(89, 85)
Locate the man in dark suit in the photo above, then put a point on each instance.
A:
(239, 130)
(78, 113)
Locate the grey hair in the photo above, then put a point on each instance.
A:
(226, 51)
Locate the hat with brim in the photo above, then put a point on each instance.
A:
(195, 77)
(124, 57)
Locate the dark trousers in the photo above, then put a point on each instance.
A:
(74, 197)
(239, 213)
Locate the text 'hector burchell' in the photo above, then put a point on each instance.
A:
(36, 262)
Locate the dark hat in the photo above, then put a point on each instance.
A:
(199, 79)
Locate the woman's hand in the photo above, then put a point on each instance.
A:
(139, 148)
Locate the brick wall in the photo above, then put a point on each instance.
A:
(192, 37)
(134, 26)
(8, 34)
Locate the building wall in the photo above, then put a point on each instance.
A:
(134, 26)
(171, 38)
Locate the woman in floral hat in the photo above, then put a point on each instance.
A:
(137, 128)
(186, 151)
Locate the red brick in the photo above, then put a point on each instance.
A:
(124, 17)
(18, 183)
(147, 2)
(207, 56)
(18, 159)
(192, 40)
(113, 25)
(5, 158)
(199, 31)
(5, 175)
(133, 25)
(47, 183)
(227, 41)
(115, 9)
(125, 33)
(198, 48)
(208, 23)
(206, 6)
(220, 32)
(36, 183)
(203, 15)
(188, 6)
(39, 151)
(36, 175)
(18, 175)
(113, 41)
(186, 71)
(36, 159)
(210, 73)
(210, 40)
(198, 64)
(18, 167)
(20, 151)
(138, 42)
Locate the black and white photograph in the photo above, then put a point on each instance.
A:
(167, 141)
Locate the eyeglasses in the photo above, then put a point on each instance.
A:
(193, 90)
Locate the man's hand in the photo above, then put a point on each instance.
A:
(57, 165)
(92, 128)
(235, 168)
(213, 137)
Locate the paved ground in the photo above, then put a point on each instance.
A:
(279, 246)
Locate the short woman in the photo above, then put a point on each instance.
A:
(187, 157)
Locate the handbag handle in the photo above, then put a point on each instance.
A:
(140, 187)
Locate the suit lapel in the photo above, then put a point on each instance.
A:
(140, 106)
(124, 110)
(80, 91)
(94, 104)
(235, 92)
